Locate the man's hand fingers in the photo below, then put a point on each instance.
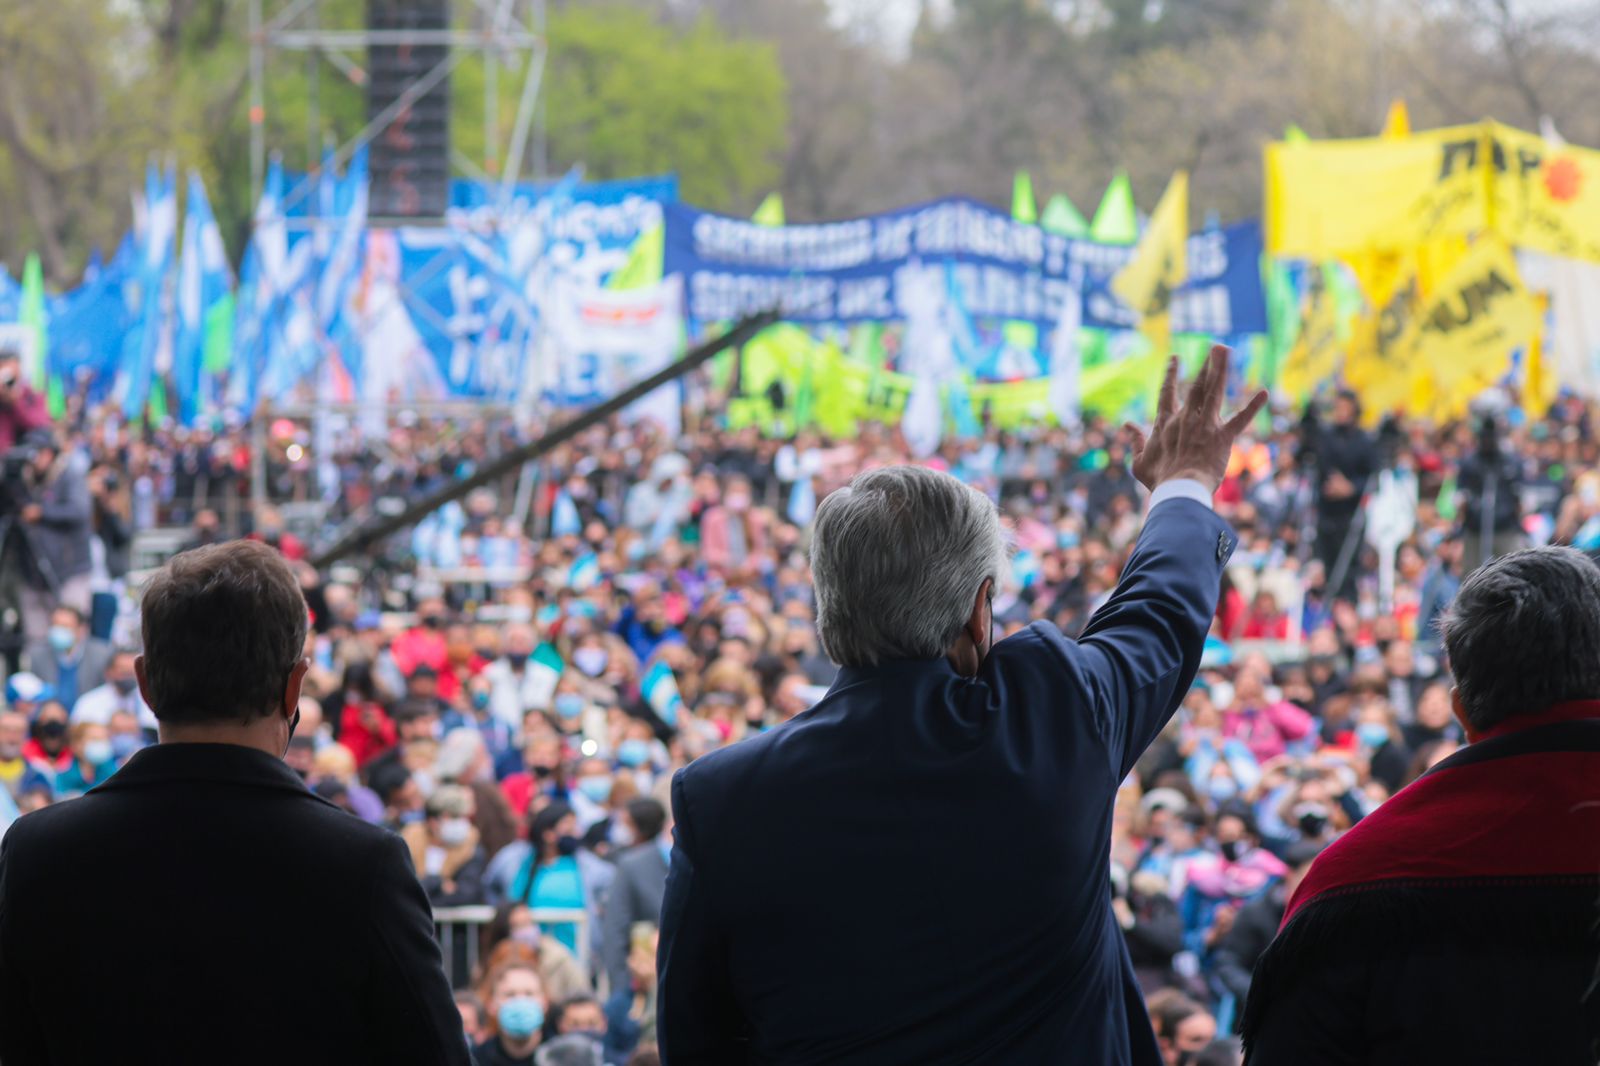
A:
(1138, 437)
(1216, 378)
(1236, 425)
(1169, 392)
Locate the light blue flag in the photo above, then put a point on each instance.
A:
(142, 340)
(260, 276)
(584, 573)
(341, 267)
(660, 691)
(203, 281)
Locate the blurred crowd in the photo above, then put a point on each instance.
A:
(511, 684)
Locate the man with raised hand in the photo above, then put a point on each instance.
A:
(916, 870)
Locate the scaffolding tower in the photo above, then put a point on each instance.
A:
(508, 36)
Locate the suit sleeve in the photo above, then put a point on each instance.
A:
(410, 1012)
(1142, 649)
(22, 1039)
(698, 1022)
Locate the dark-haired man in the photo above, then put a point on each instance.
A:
(180, 882)
(1456, 923)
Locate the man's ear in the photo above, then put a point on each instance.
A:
(144, 683)
(980, 625)
(291, 691)
(1459, 709)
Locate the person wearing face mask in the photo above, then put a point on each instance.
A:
(517, 684)
(445, 848)
(17, 774)
(46, 748)
(1183, 1027)
(464, 759)
(937, 741)
(119, 693)
(1257, 922)
(550, 870)
(93, 760)
(68, 658)
(210, 839)
(516, 1018)
(640, 883)
(514, 936)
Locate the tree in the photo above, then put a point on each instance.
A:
(628, 95)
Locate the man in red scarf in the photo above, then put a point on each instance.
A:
(1457, 923)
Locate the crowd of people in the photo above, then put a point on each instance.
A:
(512, 692)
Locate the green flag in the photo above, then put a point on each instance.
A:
(643, 267)
(770, 213)
(56, 398)
(1295, 135)
(1063, 218)
(1116, 221)
(32, 318)
(217, 336)
(157, 409)
(1022, 203)
(1022, 335)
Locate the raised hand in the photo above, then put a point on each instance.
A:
(1191, 440)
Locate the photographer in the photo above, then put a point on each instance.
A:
(22, 408)
(55, 522)
(1490, 471)
(1345, 456)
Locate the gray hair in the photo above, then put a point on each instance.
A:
(897, 557)
(1524, 634)
(457, 753)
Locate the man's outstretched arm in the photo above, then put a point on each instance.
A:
(1143, 648)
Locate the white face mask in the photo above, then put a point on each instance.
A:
(453, 832)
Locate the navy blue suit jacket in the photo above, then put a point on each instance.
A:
(916, 869)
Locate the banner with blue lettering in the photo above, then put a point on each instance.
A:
(857, 270)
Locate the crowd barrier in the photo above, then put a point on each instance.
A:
(460, 933)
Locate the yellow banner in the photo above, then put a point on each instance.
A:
(1462, 337)
(1325, 199)
(1314, 359)
(1159, 264)
(1379, 367)
(1546, 196)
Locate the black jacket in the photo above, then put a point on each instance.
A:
(1455, 924)
(203, 906)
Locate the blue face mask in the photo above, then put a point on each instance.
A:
(633, 752)
(520, 1017)
(480, 700)
(596, 786)
(1222, 788)
(62, 639)
(569, 705)
(1372, 734)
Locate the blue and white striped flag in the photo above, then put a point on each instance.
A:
(203, 281)
(660, 691)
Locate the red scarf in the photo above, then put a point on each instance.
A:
(1520, 803)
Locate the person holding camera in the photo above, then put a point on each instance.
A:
(22, 407)
(56, 520)
(1345, 457)
(1490, 485)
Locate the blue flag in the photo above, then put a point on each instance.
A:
(144, 337)
(203, 281)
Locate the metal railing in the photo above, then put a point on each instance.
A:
(464, 926)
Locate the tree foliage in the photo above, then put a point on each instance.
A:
(808, 97)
